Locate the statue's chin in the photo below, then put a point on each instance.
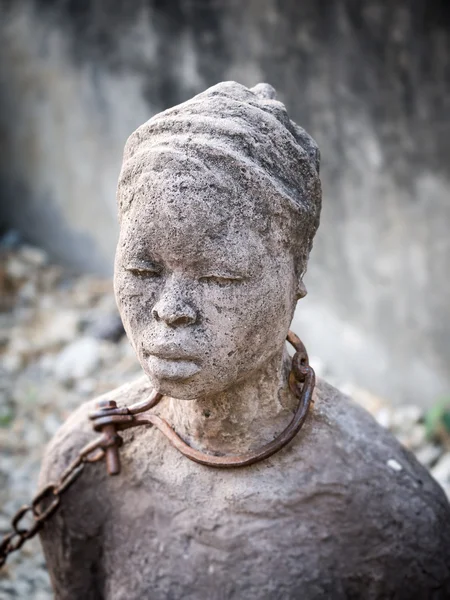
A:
(181, 388)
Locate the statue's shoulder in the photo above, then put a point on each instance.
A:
(77, 430)
(342, 443)
(336, 420)
(73, 539)
(356, 482)
(337, 426)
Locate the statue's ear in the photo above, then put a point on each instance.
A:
(301, 289)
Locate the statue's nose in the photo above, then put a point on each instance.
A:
(174, 313)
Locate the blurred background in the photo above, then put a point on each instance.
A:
(368, 79)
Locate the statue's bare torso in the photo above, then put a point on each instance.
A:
(326, 517)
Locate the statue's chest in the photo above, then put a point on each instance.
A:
(201, 535)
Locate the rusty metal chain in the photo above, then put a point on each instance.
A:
(47, 500)
(109, 419)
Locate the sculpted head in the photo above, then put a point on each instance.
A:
(219, 200)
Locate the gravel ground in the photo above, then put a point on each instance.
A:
(61, 343)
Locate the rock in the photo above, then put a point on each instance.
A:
(46, 363)
(23, 264)
(33, 256)
(371, 402)
(384, 417)
(412, 437)
(441, 471)
(34, 436)
(85, 387)
(17, 269)
(446, 488)
(28, 292)
(42, 595)
(404, 417)
(108, 327)
(50, 277)
(78, 360)
(417, 437)
(51, 424)
(428, 454)
(12, 362)
(7, 322)
(53, 328)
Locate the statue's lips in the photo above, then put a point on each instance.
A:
(172, 367)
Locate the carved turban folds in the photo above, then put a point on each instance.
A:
(246, 141)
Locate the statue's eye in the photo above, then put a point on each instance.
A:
(144, 271)
(220, 280)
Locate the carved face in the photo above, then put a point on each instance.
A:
(205, 296)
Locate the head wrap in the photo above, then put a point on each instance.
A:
(245, 132)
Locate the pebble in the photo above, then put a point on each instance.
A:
(78, 360)
(383, 416)
(371, 402)
(37, 257)
(28, 292)
(404, 417)
(416, 437)
(51, 424)
(394, 465)
(17, 269)
(441, 470)
(85, 387)
(12, 362)
(428, 454)
(56, 327)
(108, 327)
(22, 265)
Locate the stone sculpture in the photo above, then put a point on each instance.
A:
(219, 200)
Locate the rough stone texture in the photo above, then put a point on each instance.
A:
(219, 200)
(215, 234)
(327, 517)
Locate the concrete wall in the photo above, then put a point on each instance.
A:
(369, 79)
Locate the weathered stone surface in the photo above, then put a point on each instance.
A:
(324, 518)
(219, 200)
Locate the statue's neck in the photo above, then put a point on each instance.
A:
(244, 417)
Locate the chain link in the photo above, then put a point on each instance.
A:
(46, 502)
